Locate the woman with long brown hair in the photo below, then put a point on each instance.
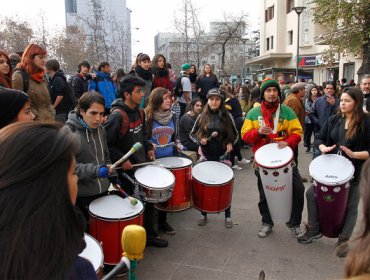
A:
(215, 118)
(206, 81)
(5, 70)
(161, 76)
(29, 76)
(349, 132)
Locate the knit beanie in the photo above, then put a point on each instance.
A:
(11, 102)
(268, 82)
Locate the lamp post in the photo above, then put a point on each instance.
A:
(298, 10)
(244, 40)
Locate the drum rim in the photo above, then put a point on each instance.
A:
(116, 219)
(196, 166)
(101, 250)
(145, 186)
(177, 167)
(277, 166)
(214, 185)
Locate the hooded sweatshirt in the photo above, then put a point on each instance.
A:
(92, 154)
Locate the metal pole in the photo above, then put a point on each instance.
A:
(243, 62)
(297, 58)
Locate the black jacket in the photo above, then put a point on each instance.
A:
(58, 86)
(120, 144)
(185, 126)
(79, 85)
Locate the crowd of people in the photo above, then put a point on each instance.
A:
(87, 122)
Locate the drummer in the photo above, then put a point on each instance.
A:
(41, 233)
(125, 126)
(161, 130)
(92, 159)
(258, 131)
(347, 132)
(215, 118)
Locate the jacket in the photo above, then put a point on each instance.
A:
(79, 85)
(92, 154)
(58, 86)
(103, 83)
(185, 126)
(164, 82)
(289, 128)
(39, 95)
(120, 144)
(322, 110)
(296, 104)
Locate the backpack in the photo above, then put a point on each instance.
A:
(25, 78)
(177, 90)
(125, 121)
(70, 80)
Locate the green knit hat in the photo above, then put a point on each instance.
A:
(268, 82)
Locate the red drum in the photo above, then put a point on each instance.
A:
(181, 195)
(276, 174)
(212, 186)
(331, 175)
(93, 252)
(108, 217)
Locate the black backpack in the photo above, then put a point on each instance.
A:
(177, 90)
(25, 78)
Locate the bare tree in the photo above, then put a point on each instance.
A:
(15, 34)
(42, 33)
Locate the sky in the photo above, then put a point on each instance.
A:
(149, 16)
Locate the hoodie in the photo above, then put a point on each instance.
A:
(92, 154)
(120, 144)
(58, 86)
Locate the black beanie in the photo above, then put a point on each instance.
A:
(11, 102)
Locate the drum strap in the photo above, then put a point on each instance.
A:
(276, 119)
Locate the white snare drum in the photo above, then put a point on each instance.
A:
(93, 252)
(156, 183)
(276, 174)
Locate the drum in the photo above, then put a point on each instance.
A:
(276, 174)
(156, 183)
(108, 217)
(93, 252)
(212, 186)
(181, 195)
(331, 174)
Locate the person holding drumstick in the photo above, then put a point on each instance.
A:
(258, 130)
(215, 146)
(347, 132)
(162, 133)
(41, 233)
(125, 126)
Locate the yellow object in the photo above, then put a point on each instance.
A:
(133, 242)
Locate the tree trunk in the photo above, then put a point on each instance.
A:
(365, 67)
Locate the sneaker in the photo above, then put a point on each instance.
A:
(236, 167)
(229, 223)
(166, 228)
(265, 230)
(311, 233)
(244, 161)
(202, 221)
(296, 230)
(342, 247)
(156, 241)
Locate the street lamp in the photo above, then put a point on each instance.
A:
(298, 10)
(244, 40)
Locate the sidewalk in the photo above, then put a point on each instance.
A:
(215, 252)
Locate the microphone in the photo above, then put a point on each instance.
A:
(137, 146)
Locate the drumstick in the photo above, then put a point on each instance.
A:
(223, 157)
(213, 135)
(133, 200)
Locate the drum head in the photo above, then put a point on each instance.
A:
(269, 156)
(93, 252)
(114, 207)
(212, 173)
(175, 162)
(331, 170)
(154, 177)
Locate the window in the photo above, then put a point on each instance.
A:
(268, 43)
(290, 37)
(272, 42)
(269, 13)
(289, 6)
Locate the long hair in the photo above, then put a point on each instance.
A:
(41, 233)
(225, 120)
(154, 103)
(154, 65)
(203, 74)
(6, 79)
(358, 259)
(358, 114)
(28, 56)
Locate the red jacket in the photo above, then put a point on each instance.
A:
(164, 82)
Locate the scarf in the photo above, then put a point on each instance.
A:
(164, 117)
(160, 72)
(193, 77)
(268, 110)
(38, 76)
(144, 74)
